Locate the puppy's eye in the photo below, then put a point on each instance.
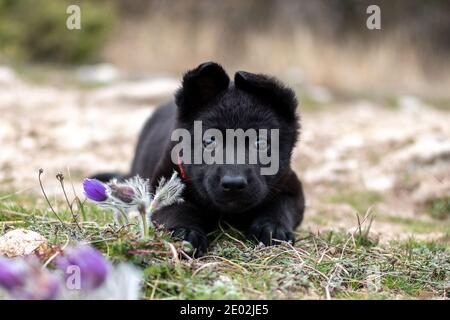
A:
(210, 143)
(261, 144)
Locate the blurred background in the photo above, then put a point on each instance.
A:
(324, 42)
(374, 103)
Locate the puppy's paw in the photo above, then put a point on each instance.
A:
(270, 233)
(196, 238)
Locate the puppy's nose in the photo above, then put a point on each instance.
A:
(233, 183)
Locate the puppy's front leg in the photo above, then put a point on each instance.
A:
(278, 220)
(186, 223)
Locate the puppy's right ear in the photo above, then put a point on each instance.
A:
(200, 86)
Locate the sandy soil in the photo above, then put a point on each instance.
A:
(351, 157)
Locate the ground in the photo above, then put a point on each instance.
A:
(375, 172)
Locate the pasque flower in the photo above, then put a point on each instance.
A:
(25, 279)
(167, 192)
(99, 279)
(122, 192)
(95, 190)
(11, 275)
(92, 265)
(133, 195)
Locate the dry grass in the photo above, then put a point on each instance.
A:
(327, 265)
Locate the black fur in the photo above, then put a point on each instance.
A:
(107, 176)
(268, 207)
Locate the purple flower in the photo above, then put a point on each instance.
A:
(93, 267)
(95, 190)
(50, 289)
(11, 276)
(25, 279)
(41, 285)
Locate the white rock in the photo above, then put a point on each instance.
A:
(410, 104)
(378, 181)
(137, 91)
(21, 242)
(427, 150)
(100, 73)
(7, 76)
(320, 94)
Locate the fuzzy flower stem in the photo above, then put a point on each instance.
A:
(145, 229)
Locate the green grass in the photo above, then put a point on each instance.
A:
(55, 75)
(439, 208)
(439, 103)
(328, 265)
(418, 226)
(361, 201)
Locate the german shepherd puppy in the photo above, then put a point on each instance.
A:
(266, 207)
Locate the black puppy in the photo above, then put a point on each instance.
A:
(266, 207)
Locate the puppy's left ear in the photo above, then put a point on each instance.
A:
(280, 97)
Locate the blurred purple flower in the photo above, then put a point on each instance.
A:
(25, 279)
(93, 266)
(95, 190)
(11, 276)
(51, 289)
(42, 285)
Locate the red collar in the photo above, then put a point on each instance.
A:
(182, 170)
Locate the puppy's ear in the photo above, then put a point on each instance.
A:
(201, 85)
(280, 97)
